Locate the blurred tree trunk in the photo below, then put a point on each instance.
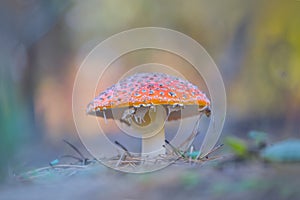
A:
(23, 23)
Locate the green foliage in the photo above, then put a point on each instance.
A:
(258, 137)
(54, 162)
(285, 151)
(238, 146)
(193, 154)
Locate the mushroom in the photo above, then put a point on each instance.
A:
(144, 101)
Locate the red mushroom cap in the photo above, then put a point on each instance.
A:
(147, 89)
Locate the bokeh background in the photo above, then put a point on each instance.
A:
(255, 44)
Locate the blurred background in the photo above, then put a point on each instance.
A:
(255, 44)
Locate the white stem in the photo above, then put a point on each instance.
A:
(151, 131)
(154, 139)
(153, 146)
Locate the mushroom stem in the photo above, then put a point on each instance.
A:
(153, 146)
(154, 137)
(150, 130)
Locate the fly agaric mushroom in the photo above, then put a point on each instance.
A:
(144, 101)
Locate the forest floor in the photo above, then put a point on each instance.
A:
(220, 179)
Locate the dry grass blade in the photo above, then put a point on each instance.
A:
(187, 143)
(75, 149)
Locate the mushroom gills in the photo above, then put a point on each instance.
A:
(140, 114)
(127, 116)
(174, 108)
